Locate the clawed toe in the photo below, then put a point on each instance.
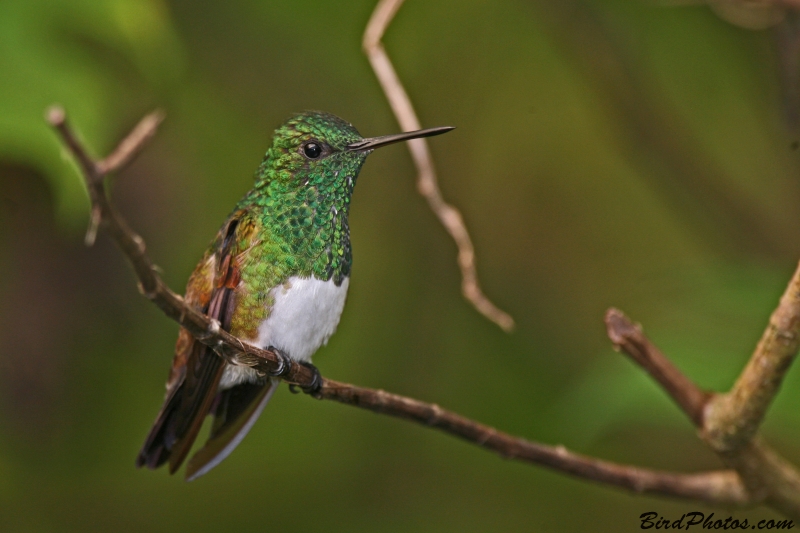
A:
(284, 361)
(316, 381)
(286, 366)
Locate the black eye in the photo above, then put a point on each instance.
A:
(312, 150)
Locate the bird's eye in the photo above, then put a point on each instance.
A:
(312, 150)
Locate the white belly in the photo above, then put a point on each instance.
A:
(304, 315)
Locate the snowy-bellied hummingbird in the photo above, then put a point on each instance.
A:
(275, 276)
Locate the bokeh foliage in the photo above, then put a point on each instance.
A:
(607, 153)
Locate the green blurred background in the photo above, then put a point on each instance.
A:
(608, 153)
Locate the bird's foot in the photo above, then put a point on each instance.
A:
(314, 387)
(284, 362)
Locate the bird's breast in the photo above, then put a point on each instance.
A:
(303, 316)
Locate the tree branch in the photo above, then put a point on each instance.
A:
(131, 145)
(630, 338)
(427, 183)
(718, 487)
(733, 419)
(767, 476)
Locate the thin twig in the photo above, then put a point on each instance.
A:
(427, 183)
(719, 487)
(131, 145)
(630, 338)
(733, 419)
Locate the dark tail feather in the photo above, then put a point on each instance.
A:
(155, 451)
(236, 412)
(183, 412)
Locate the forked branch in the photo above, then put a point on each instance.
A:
(768, 477)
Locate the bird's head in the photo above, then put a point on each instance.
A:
(321, 151)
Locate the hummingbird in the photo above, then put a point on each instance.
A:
(275, 276)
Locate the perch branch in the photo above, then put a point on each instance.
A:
(427, 183)
(718, 487)
(714, 487)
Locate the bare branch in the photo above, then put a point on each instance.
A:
(131, 145)
(733, 419)
(767, 476)
(629, 338)
(427, 183)
(719, 487)
(58, 119)
(94, 178)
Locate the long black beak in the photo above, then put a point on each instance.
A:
(377, 142)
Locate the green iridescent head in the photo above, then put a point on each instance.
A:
(311, 149)
(303, 190)
(319, 149)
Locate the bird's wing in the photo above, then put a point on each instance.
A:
(197, 369)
